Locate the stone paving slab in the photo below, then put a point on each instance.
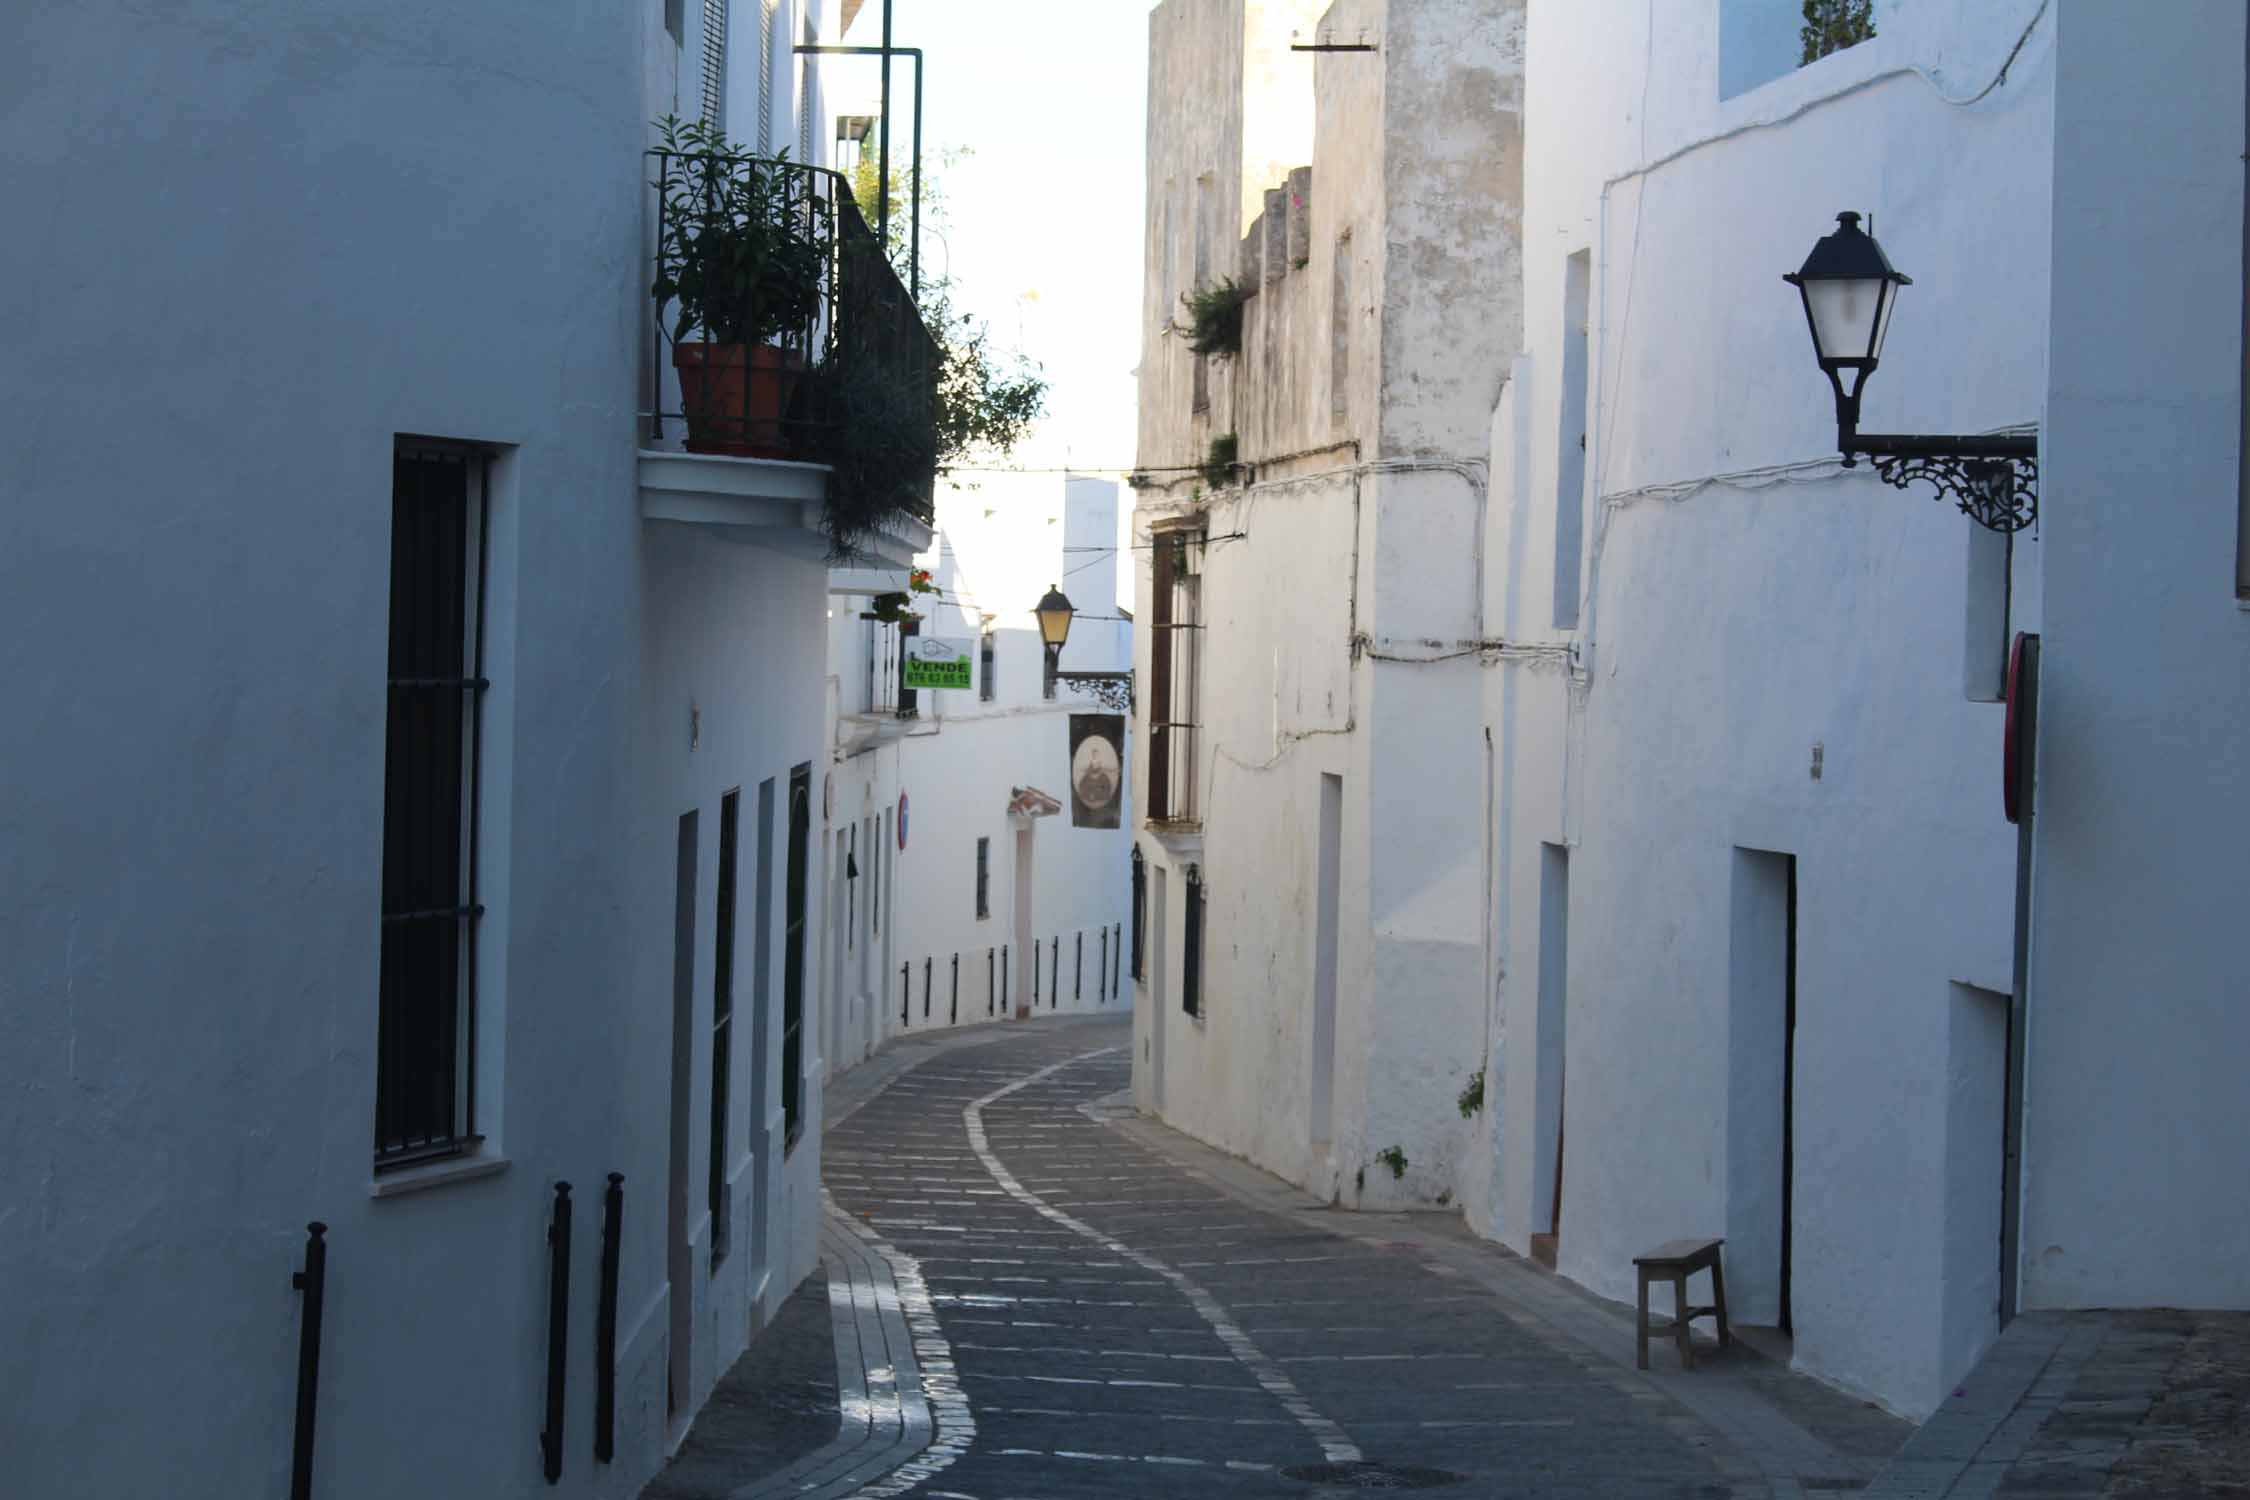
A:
(2146, 1404)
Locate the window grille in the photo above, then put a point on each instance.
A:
(793, 958)
(722, 1017)
(805, 103)
(715, 64)
(765, 77)
(984, 878)
(1191, 958)
(1175, 675)
(909, 699)
(987, 656)
(851, 887)
(1140, 907)
(425, 1092)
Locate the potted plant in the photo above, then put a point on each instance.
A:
(742, 247)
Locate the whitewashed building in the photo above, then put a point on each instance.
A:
(960, 890)
(414, 757)
(1307, 640)
(1757, 931)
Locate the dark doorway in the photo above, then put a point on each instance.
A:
(1789, 1099)
(793, 958)
(679, 1267)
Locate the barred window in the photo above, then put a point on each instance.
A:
(722, 1018)
(425, 1093)
(1140, 908)
(984, 878)
(1175, 676)
(987, 658)
(793, 956)
(715, 64)
(1191, 956)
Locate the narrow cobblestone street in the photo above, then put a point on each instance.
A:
(1104, 1318)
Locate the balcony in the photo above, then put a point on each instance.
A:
(791, 394)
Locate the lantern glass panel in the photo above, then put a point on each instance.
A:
(1849, 316)
(1054, 618)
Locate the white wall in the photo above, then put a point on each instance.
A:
(1731, 625)
(1340, 587)
(959, 762)
(2135, 1115)
(266, 244)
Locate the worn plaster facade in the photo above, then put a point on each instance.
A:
(1322, 776)
(270, 242)
(1754, 903)
(910, 947)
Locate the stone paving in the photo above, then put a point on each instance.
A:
(2153, 1405)
(1085, 1304)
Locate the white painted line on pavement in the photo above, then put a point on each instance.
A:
(1334, 1443)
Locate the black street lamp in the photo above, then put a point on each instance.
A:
(1114, 690)
(1849, 289)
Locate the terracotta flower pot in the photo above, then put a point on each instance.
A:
(734, 395)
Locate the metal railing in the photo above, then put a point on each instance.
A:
(558, 1332)
(780, 324)
(313, 1282)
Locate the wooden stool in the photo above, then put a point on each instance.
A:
(1675, 1261)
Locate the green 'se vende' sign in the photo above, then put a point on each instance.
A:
(932, 661)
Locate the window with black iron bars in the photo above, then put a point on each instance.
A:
(425, 1065)
(1175, 675)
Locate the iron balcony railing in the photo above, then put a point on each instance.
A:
(783, 331)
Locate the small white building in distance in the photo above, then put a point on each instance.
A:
(961, 889)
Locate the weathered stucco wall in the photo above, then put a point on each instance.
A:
(1731, 617)
(1341, 604)
(261, 242)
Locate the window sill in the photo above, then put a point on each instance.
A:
(435, 1175)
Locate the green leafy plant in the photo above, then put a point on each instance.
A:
(1214, 313)
(1394, 1158)
(1833, 25)
(739, 253)
(1472, 1097)
(882, 449)
(890, 609)
(987, 397)
(1219, 462)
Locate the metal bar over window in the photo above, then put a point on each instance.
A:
(425, 1045)
(793, 957)
(1191, 961)
(722, 1020)
(1140, 908)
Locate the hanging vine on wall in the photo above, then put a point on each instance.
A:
(1219, 462)
(1214, 313)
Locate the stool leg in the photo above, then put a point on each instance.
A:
(1680, 1320)
(1719, 1302)
(1640, 1328)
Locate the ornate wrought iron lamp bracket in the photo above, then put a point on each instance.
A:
(1112, 690)
(1993, 480)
